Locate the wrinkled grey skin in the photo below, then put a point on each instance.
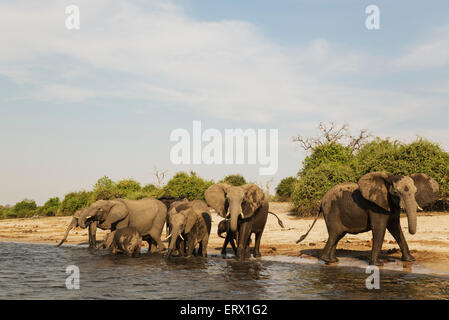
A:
(192, 221)
(375, 204)
(246, 202)
(74, 223)
(148, 216)
(126, 240)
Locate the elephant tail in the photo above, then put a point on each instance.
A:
(307, 233)
(279, 220)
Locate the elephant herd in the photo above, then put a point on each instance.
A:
(373, 204)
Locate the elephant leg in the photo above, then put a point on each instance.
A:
(92, 234)
(257, 244)
(225, 244)
(334, 248)
(157, 238)
(394, 228)
(203, 246)
(326, 254)
(378, 239)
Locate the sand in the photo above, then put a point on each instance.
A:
(430, 245)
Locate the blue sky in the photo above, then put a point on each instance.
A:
(102, 100)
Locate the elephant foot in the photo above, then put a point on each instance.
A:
(327, 259)
(408, 258)
(376, 262)
(257, 255)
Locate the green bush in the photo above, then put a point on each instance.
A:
(128, 186)
(326, 153)
(285, 188)
(183, 184)
(149, 188)
(74, 201)
(24, 208)
(331, 164)
(51, 207)
(314, 183)
(106, 189)
(234, 180)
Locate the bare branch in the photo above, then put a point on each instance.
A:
(331, 133)
(160, 176)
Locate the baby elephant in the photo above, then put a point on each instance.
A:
(127, 240)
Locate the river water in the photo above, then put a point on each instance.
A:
(38, 271)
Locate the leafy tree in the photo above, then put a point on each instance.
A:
(129, 185)
(74, 201)
(285, 188)
(234, 180)
(183, 184)
(51, 207)
(314, 183)
(106, 189)
(24, 208)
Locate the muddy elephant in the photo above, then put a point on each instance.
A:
(147, 215)
(247, 203)
(375, 204)
(75, 223)
(126, 240)
(189, 223)
(225, 227)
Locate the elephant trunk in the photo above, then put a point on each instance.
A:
(235, 213)
(72, 225)
(173, 239)
(82, 220)
(411, 210)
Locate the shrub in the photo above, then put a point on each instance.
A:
(74, 201)
(314, 183)
(51, 207)
(24, 208)
(106, 189)
(149, 188)
(234, 180)
(183, 184)
(329, 152)
(284, 189)
(129, 185)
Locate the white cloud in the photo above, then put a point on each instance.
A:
(153, 50)
(429, 54)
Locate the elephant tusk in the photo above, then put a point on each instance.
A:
(168, 237)
(420, 209)
(241, 214)
(181, 237)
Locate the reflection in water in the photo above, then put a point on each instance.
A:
(32, 271)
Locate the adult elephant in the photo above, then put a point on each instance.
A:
(189, 224)
(246, 203)
(75, 223)
(147, 215)
(375, 204)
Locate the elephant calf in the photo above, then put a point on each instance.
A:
(127, 240)
(190, 221)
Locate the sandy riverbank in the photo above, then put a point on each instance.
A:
(430, 245)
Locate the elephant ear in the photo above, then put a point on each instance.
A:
(373, 187)
(215, 197)
(191, 220)
(428, 190)
(252, 200)
(117, 212)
